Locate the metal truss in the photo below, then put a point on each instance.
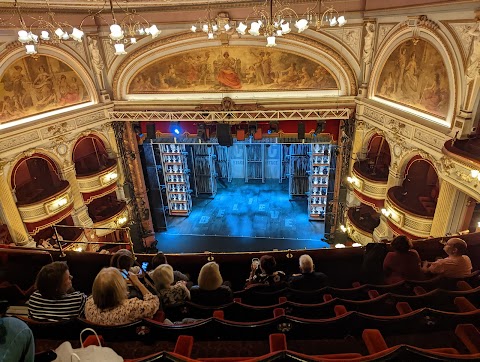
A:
(232, 116)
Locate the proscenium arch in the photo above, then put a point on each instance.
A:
(403, 34)
(176, 44)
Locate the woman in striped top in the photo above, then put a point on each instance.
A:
(54, 298)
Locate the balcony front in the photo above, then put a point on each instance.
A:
(45, 203)
(412, 214)
(362, 221)
(109, 216)
(98, 179)
(465, 151)
(369, 180)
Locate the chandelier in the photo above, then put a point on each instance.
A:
(128, 29)
(274, 18)
(329, 17)
(213, 27)
(43, 29)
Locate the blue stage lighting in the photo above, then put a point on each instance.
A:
(175, 128)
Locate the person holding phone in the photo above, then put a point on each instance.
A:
(109, 305)
(169, 294)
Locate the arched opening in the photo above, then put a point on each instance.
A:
(90, 156)
(36, 178)
(377, 161)
(420, 188)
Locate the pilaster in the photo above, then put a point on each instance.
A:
(382, 231)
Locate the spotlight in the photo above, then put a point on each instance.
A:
(320, 128)
(273, 127)
(175, 128)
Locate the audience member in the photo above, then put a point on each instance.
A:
(309, 279)
(55, 298)
(456, 265)
(371, 270)
(124, 261)
(210, 289)
(160, 259)
(109, 305)
(16, 341)
(403, 263)
(169, 294)
(268, 275)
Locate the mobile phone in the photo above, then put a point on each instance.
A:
(124, 274)
(145, 266)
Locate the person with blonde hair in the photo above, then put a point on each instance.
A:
(169, 294)
(309, 279)
(456, 265)
(109, 303)
(210, 289)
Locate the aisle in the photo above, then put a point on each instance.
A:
(244, 217)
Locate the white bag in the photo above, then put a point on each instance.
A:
(65, 352)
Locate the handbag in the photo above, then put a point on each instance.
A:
(92, 353)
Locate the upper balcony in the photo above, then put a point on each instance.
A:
(370, 181)
(44, 203)
(412, 214)
(109, 216)
(361, 223)
(99, 178)
(464, 151)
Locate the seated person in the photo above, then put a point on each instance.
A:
(456, 265)
(210, 289)
(169, 294)
(403, 263)
(109, 305)
(55, 298)
(268, 275)
(309, 279)
(160, 259)
(124, 261)
(16, 339)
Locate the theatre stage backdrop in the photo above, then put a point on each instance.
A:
(34, 85)
(415, 76)
(237, 68)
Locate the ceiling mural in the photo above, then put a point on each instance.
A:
(31, 86)
(237, 68)
(415, 76)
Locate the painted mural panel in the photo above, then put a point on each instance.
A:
(31, 86)
(237, 68)
(415, 76)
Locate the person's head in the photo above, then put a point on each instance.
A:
(268, 264)
(109, 288)
(54, 280)
(210, 277)
(455, 247)
(159, 259)
(162, 276)
(122, 259)
(401, 244)
(306, 263)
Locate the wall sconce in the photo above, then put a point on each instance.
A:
(356, 245)
(57, 204)
(122, 220)
(475, 174)
(340, 246)
(343, 228)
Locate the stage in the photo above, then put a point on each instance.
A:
(242, 217)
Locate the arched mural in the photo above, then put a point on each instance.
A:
(34, 85)
(237, 68)
(415, 76)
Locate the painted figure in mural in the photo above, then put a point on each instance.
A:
(161, 82)
(19, 91)
(306, 80)
(473, 68)
(63, 89)
(74, 90)
(43, 85)
(250, 74)
(8, 109)
(433, 97)
(388, 85)
(289, 75)
(171, 78)
(227, 74)
(204, 69)
(267, 68)
(402, 63)
(410, 78)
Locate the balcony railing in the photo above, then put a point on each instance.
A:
(363, 220)
(464, 151)
(408, 213)
(99, 180)
(48, 206)
(371, 185)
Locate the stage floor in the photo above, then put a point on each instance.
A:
(244, 217)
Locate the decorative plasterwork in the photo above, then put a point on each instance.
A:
(348, 36)
(77, 48)
(463, 38)
(108, 52)
(383, 30)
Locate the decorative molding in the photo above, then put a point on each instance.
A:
(383, 30)
(77, 48)
(57, 129)
(108, 52)
(90, 118)
(462, 36)
(350, 37)
(428, 139)
(19, 140)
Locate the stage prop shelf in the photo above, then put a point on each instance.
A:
(204, 170)
(318, 181)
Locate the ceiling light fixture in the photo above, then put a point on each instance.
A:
(128, 29)
(43, 29)
(274, 18)
(329, 17)
(214, 26)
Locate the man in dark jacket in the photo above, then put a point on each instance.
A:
(309, 279)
